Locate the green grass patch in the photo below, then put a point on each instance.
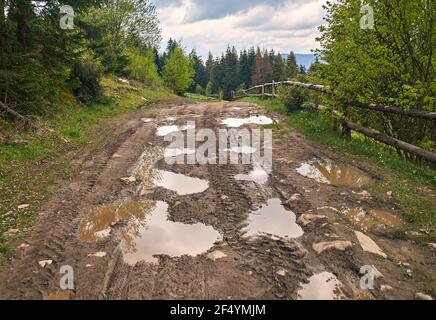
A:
(408, 181)
(199, 97)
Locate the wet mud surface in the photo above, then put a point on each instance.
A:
(133, 226)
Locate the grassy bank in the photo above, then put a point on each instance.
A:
(33, 162)
(413, 186)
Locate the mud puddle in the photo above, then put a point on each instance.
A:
(166, 130)
(322, 286)
(175, 152)
(144, 240)
(334, 173)
(372, 219)
(273, 219)
(239, 122)
(180, 183)
(258, 175)
(98, 224)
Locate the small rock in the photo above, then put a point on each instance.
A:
(12, 231)
(250, 273)
(89, 265)
(409, 273)
(368, 245)
(282, 272)
(224, 197)
(432, 245)
(307, 218)
(97, 254)
(385, 287)
(338, 245)
(216, 255)
(128, 179)
(23, 246)
(45, 263)
(389, 194)
(377, 274)
(364, 194)
(295, 198)
(7, 214)
(23, 206)
(422, 296)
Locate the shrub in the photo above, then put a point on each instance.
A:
(292, 97)
(199, 89)
(142, 67)
(85, 81)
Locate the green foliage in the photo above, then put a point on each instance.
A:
(199, 89)
(209, 88)
(142, 67)
(292, 97)
(178, 71)
(85, 81)
(393, 64)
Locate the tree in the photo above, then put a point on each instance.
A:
(292, 66)
(393, 64)
(200, 76)
(279, 68)
(178, 71)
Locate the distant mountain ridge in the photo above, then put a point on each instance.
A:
(305, 59)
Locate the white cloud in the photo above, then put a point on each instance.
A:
(283, 25)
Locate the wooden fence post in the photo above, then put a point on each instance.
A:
(263, 90)
(273, 89)
(346, 131)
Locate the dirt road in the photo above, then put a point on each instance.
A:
(132, 229)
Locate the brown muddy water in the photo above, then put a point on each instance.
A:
(336, 174)
(258, 175)
(179, 183)
(273, 219)
(239, 122)
(166, 130)
(322, 286)
(98, 224)
(372, 219)
(145, 239)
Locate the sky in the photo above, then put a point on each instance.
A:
(210, 25)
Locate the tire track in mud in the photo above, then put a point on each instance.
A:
(246, 268)
(250, 267)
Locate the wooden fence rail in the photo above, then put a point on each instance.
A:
(348, 125)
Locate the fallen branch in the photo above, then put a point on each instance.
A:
(410, 148)
(13, 113)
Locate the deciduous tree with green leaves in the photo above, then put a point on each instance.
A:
(178, 71)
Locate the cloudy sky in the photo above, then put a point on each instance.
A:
(209, 25)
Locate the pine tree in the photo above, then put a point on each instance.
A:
(279, 68)
(292, 66)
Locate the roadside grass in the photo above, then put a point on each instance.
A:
(33, 162)
(200, 98)
(413, 186)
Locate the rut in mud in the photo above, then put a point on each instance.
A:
(133, 226)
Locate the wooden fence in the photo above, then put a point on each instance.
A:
(348, 126)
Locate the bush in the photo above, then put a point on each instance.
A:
(143, 68)
(199, 90)
(85, 81)
(209, 88)
(292, 97)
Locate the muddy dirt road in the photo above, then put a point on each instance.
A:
(134, 227)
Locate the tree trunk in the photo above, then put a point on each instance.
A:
(23, 11)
